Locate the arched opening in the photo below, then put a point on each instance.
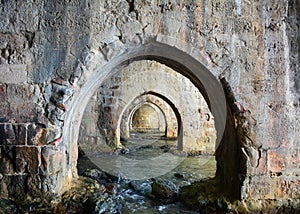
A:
(170, 114)
(148, 119)
(171, 121)
(183, 63)
(122, 88)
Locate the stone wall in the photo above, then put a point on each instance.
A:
(89, 131)
(55, 54)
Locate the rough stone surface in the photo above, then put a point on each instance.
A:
(13, 134)
(55, 54)
(275, 162)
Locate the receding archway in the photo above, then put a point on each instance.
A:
(120, 89)
(147, 118)
(189, 67)
(172, 106)
(171, 129)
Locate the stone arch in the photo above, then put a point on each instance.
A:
(174, 109)
(156, 125)
(138, 77)
(172, 57)
(129, 121)
(170, 117)
(182, 60)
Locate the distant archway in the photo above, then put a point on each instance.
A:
(171, 129)
(172, 106)
(147, 118)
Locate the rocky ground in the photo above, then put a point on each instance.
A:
(180, 191)
(97, 192)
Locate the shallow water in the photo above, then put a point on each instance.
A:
(148, 157)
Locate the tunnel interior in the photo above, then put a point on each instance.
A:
(156, 99)
(148, 119)
(149, 116)
(220, 149)
(103, 77)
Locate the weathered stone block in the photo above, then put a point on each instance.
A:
(262, 187)
(275, 161)
(13, 73)
(21, 105)
(292, 160)
(260, 168)
(269, 142)
(60, 92)
(5, 111)
(13, 186)
(6, 133)
(288, 187)
(19, 92)
(6, 159)
(36, 135)
(22, 185)
(55, 113)
(52, 158)
(23, 112)
(3, 95)
(20, 133)
(53, 135)
(27, 159)
(44, 185)
(12, 134)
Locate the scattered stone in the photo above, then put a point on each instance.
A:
(95, 174)
(111, 188)
(166, 148)
(194, 153)
(142, 187)
(178, 175)
(122, 151)
(165, 191)
(109, 205)
(69, 207)
(36, 208)
(204, 196)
